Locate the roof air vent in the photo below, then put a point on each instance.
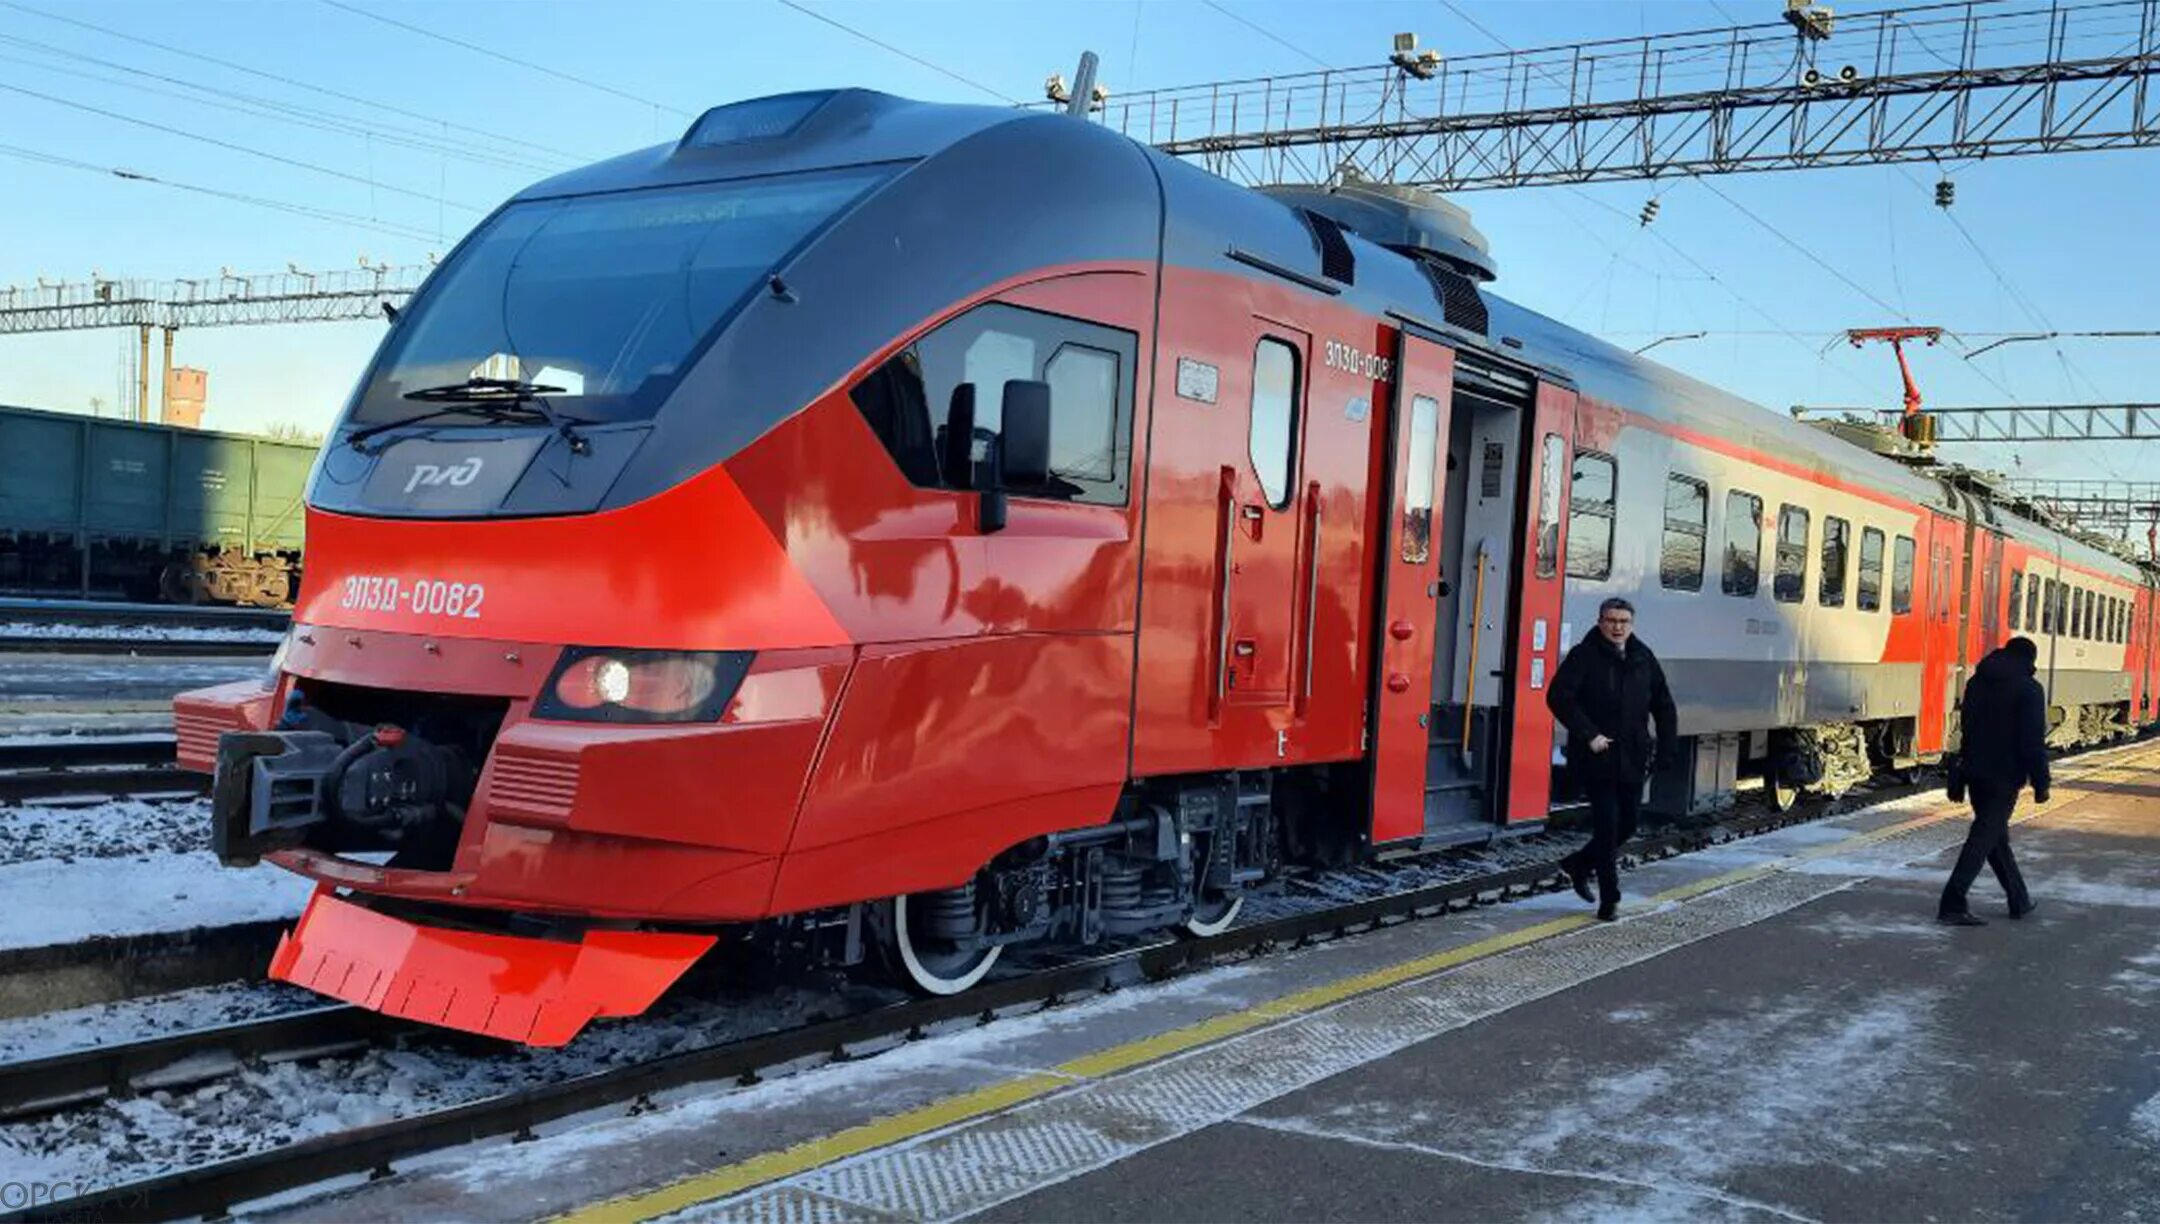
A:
(1337, 261)
(1406, 219)
(757, 119)
(1460, 302)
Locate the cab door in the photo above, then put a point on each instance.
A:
(1409, 578)
(1259, 514)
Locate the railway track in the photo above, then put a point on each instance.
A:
(93, 612)
(63, 769)
(145, 647)
(78, 1078)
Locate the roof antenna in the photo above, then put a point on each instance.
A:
(1082, 97)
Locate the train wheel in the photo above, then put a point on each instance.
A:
(931, 965)
(1213, 915)
(1784, 796)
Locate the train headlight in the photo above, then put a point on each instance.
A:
(601, 684)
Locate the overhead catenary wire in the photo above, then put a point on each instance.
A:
(1270, 35)
(233, 146)
(492, 53)
(285, 206)
(372, 103)
(881, 44)
(267, 108)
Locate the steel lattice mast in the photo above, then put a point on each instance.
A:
(1992, 78)
(224, 300)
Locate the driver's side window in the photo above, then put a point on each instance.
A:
(908, 400)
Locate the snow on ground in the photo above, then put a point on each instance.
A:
(129, 1020)
(107, 828)
(52, 902)
(2145, 1121)
(155, 633)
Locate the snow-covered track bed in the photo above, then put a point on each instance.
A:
(60, 614)
(276, 1120)
(125, 645)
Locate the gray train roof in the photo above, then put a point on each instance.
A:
(835, 127)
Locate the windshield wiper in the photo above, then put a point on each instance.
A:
(493, 399)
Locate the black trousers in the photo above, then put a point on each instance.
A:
(1989, 842)
(1614, 806)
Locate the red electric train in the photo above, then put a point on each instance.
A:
(926, 529)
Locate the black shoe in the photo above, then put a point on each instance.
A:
(2019, 911)
(1961, 918)
(1580, 879)
(1608, 912)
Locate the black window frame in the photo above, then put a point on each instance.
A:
(1904, 554)
(1826, 595)
(1292, 451)
(918, 460)
(1797, 592)
(1865, 599)
(1579, 509)
(1730, 582)
(1677, 579)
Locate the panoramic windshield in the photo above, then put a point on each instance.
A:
(607, 298)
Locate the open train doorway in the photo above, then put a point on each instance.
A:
(1478, 479)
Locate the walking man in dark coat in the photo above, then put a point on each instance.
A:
(2004, 725)
(1607, 693)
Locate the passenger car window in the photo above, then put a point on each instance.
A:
(2032, 604)
(907, 401)
(2017, 591)
(1687, 526)
(2050, 607)
(1590, 515)
(1743, 542)
(1836, 544)
(1901, 567)
(1868, 597)
(1792, 532)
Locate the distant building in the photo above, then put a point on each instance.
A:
(185, 391)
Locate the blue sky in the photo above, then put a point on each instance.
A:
(2070, 233)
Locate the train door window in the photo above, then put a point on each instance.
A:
(1901, 567)
(2032, 604)
(1273, 443)
(2017, 593)
(1743, 542)
(1553, 467)
(1868, 598)
(1687, 527)
(1836, 545)
(1591, 501)
(1790, 583)
(907, 400)
(1418, 481)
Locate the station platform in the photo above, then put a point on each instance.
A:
(1776, 1029)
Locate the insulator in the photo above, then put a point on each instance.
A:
(1649, 210)
(1945, 193)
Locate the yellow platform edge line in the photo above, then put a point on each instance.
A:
(980, 1102)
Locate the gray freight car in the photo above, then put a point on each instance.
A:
(93, 508)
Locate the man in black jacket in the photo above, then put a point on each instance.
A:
(1606, 693)
(2004, 725)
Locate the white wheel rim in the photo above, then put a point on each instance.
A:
(922, 975)
(1217, 926)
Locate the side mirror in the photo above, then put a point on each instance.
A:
(1024, 435)
(957, 442)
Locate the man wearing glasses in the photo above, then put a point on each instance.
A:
(1607, 693)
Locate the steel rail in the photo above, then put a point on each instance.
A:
(17, 610)
(214, 1189)
(160, 648)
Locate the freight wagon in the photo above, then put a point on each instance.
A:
(93, 508)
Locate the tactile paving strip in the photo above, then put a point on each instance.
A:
(989, 1160)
